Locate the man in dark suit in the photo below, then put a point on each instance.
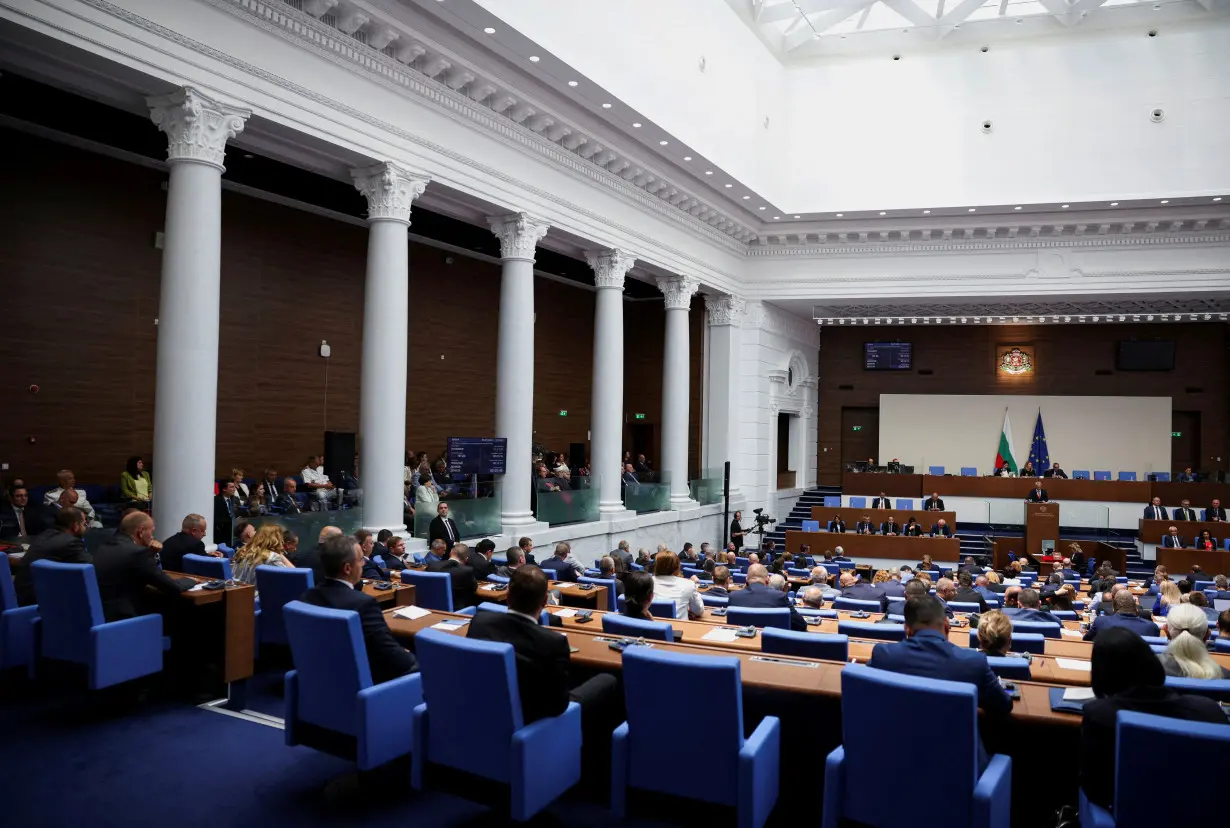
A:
(1186, 476)
(480, 559)
(935, 503)
(372, 571)
(558, 567)
(1029, 608)
(341, 559)
(892, 588)
(624, 553)
(310, 558)
(881, 502)
(966, 592)
(461, 577)
(941, 529)
(19, 518)
(865, 526)
(61, 544)
(514, 559)
(1185, 511)
(1155, 510)
(287, 502)
(189, 540)
(1037, 494)
(837, 524)
(1055, 471)
(606, 570)
(1172, 539)
(758, 593)
(890, 527)
(224, 513)
(1215, 511)
(856, 590)
(912, 529)
(1125, 616)
(126, 570)
(443, 527)
(389, 548)
(542, 658)
(721, 582)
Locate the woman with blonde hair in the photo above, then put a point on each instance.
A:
(994, 633)
(265, 549)
(881, 577)
(1169, 598)
(993, 577)
(241, 488)
(1187, 654)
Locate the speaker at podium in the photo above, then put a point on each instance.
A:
(1041, 528)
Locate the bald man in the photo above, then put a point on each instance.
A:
(126, 568)
(310, 558)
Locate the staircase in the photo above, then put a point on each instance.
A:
(800, 513)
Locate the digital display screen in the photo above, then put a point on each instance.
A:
(476, 455)
(888, 356)
(1146, 355)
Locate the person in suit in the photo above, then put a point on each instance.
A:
(461, 577)
(856, 590)
(941, 529)
(966, 592)
(758, 593)
(927, 652)
(443, 527)
(310, 558)
(1155, 510)
(390, 549)
(1125, 616)
(62, 543)
(1028, 469)
(1172, 539)
(1215, 511)
(890, 527)
(126, 569)
(480, 559)
(286, 502)
(1055, 471)
(935, 503)
(1029, 608)
(881, 502)
(1126, 675)
(865, 526)
(1185, 511)
(736, 531)
(606, 570)
(372, 570)
(19, 519)
(891, 586)
(624, 553)
(1037, 494)
(837, 524)
(341, 560)
(559, 567)
(912, 529)
(721, 582)
(1186, 476)
(225, 511)
(629, 479)
(189, 540)
(542, 655)
(982, 585)
(514, 558)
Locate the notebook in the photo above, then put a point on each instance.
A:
(1061, 705)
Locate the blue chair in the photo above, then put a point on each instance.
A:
(1028, 643)
(937, 471)
(432, 590)
(969, 471)
(72, 627)
(497, 745)
(858, 503)
(1009, 667)
(714, 600)
(905, 503)
(544, 617)
(1127, 475)
(609, 583)
(811, 526)
(1221, 644)
(832, 501)
(498, 579)
(1080, 474)
(330, 691)
(796, 572)
(637, 628)
(1065, 615)
(207, 567)
(662, 608)
(17, 640)
(896, 606)
(226, 550)
(741, 561)
(1138, 739)
(1215, 689)
(759, 617)
(739, 577)
(1047, 629)
(1101, 475)
(828, 646)
(963, 606)
(862, 764)
(278, 586)
(1162, 477)
(853, 605)
(741, 773)
(865, 629)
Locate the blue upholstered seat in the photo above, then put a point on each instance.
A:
(866, 629)
(741, 773)
(1101, 475)
(905, 503)
(759, 617)
(544, 617)
(1127, 475)
(714, 600)
(496, 745)
(1162, 477)
(858, 503)
(637, 627)
(1009, 667)
(854, 605)
(72, 627)
(609, 583)
(1080, 474)
(811, 526)
(969, 471)
(278, 586)
(871, 702)
(1216, 689)
(207, 566)
(1046, 628)
(963, 606)
(432, 590)
(17, 640)
(662, 608)
(832, 500)
(935, 470)
(830, 646)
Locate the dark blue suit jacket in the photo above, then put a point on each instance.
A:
(928, 654)
(1132, 622)
(385, 657)
(760, 595)
(558, 569)
(863, 592)
(945, 532)
(891, 589)
(1173, 541)
(1152, 512)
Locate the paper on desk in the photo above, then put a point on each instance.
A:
(1071, 633)
(199, 586)
(411, 612)
(567, 612)
(448, 626)
(1073, 664)
(724, 635)
(1078, 693)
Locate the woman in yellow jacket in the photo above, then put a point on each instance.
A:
(135, 485)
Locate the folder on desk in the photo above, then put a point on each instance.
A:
(1061, 705)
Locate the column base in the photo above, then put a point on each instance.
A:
(398, 529)
(681, 502)
(518, 528)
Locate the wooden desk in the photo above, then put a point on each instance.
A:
(238, 605)
(852, 516)
(1151, 531)
(401, 595)
(1018, 488)
(1200, 494)
(873, 483)
(878, 546)
(1180, 561)
(570, 594)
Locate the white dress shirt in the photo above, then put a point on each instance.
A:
(82, 503)
(315, 476)
(426, 497)
(680, 590)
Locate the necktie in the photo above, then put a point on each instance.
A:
(448, 527)
(21, 522)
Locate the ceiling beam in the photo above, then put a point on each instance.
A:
(1082, 7)
(1061, 9)
(958, 15)
(789, 9)
(911, 12)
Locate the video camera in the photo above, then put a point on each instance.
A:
(761, 521)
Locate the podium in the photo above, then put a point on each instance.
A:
(1041, 524)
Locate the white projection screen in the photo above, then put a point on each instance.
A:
(1091, 433)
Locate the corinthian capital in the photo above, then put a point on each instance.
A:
(725, 310)
(390, 191)
(678, 291)
(519, 234)
(610, 267)
(197, 127)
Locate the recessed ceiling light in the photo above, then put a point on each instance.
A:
(636, 125)
(1165, 201)
(839, 215)
(973, 209)
(250, 156)
(926, 212)
(883, 213)
(1218, 198)
(798, 216)
(775, 218)
(606, 106)
(728, 186)
(534, 58)
(663, 143)
(488, 30)
(745, 198)
(758, 208)
(572, 83)
(1016, 208)
(1019, 21)
(708, 172)
(687, 158)
(1063, 206)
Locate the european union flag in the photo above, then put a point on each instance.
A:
(1038, 455)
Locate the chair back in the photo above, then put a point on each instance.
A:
(1080, 474)
(896, 606)
(8, 595)
(662, 608)
(452, 667)
(741, 561)
(1101, 475)
(811, 526)
(798, 572)
(69, 606)
(330, 662)
(432, 590)
(1162, 477)
(1028, 642)
(714, 600)
(637, 627)
(1065, 615)
(832, 501)
(609, 583)
(1046, 628)
(711, 684)
(935, 470)
(544, 617)
(865, 629)
(1139, 739)
(738, 577)
(207, 567)
(759, 616)
(905, 503)
(963, 606)
(278, 586)
(1221, 644)
(858, 503)
(969, 471)
(828, 646)
(1127, 475)
(1009, 667)
(1215, 689)
(498, 579)
(1203, 585)
(876, 696)
(853, 605)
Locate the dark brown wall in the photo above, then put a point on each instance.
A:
(961, 360)
(81, 273)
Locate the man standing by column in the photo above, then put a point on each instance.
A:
(676, 385)
(610, 268)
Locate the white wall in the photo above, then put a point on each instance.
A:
(1091, 433)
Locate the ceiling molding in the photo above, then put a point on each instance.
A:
(1153, 309)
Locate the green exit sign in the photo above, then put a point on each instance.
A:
(1176, 434)
(856, 428)
(563, 412)
(638, 416)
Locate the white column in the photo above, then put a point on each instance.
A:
(676, 386)
(518, 233)
(186, 390)
(390, 191)
(607, 418)
(722, 406)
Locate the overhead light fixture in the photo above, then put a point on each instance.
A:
(775, 218)
(798, 216)
(1016, 208)
(1217, 198)
(1165, 201)
(1114, 204)
(663, 143)
(758, 208)
(708, 172)
(534, 58)
(1063, 206)
(606, 106)
(973, 209)
(687, 158)
(572, 83)
(839, 215)
(489, 30)
(926, 212)
(728, 186)
(746, 197)
(882, 213)
(636, 125)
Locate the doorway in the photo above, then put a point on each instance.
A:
(786, 472)
(641, 441)
(860, 434)
(1185, 447)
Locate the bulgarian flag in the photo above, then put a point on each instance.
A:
(1003, 457)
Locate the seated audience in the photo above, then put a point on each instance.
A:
(606, 569)
(1187, 654)
(290, 544)
(638, 595)
(68, 480)
(136, 487)
(856, 590)
(837, 524)
(890, 586)
(287, 502)
(461, 577)
(341, 560)
(1126, 675)
(946, 591)
(189, 540)
(225, 512)
(1168, 596)
(642, 558)
(1125, 616)
(912, 528)
(669, 586)
(941, 529)
(310, 558)
(865, 526)
(812, 597)
(1172, 539)
(558, 567)
(624, 553)
(317, 483)
(1063, 598)
(480, 559)
(514, 558)
(1029, 608)
(890, 527)
(367, 544)
(1201, 602)
(1011, 596)
(925, 565)
(985, 585)
(126, 571)
(241, 488)
(437, 551)
(258, 502)
(265, 549)
(760, 593)
(62, 543)
(18, 519)
(995, 633)
(966, 592)
(1206, 541)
